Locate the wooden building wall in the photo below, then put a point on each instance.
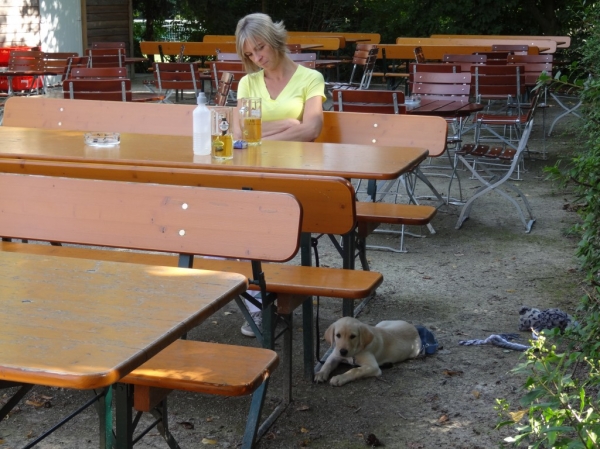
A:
(20, 23)
(108, 20)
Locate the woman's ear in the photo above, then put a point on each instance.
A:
(329, 334)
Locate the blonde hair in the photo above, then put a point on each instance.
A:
(259, 27)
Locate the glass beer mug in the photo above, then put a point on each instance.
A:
(251, 120)
(220, 130)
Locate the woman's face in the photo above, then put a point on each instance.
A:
(261, 54)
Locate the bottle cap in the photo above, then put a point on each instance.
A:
(201, 98)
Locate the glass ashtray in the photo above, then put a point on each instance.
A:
(98, 139)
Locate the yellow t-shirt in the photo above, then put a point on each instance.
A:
(304, 84)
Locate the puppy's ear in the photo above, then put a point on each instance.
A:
(366, 336)
(329, 334)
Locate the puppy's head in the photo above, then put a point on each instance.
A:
(348, 336)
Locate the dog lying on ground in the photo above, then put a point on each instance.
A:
(369, 347)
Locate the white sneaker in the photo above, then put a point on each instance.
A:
(257, 318)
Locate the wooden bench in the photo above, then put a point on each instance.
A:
(561, 41)
(197, 49)
(542, 45)
(386, 129)
(171, 219)
(176, 120)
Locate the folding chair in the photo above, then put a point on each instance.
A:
(465, 61)
(377, 101)
(55, 65)
(97, 89)
(535, 65)
(445, 86)
(223, 88)
(106, 57)
(235, 68)
(92, 91)
(170, 77)
(363, 61)
(25, 67)
(479, 159)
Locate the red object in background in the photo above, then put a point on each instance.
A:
(18, 82)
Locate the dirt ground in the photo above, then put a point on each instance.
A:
(462, 284)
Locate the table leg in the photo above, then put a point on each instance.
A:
(307, 311)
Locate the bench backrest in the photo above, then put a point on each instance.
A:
(327, 202)
(189, 48)
(187, 220)
(90, 115)
(561, 41)
(385, 129)
(544, 45)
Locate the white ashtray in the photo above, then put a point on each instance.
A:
(98, 139)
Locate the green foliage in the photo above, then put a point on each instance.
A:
(560, 407)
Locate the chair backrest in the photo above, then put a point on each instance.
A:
(236, 68)
(494, 57)
(26, 61)
(99, 73)
(495, 82)
(534, 65)
(303, 56)
(223, 88)
(151, 217)
(106, 57)
(228, 57)
(112, 44)
(385, 130)
(419, 55)
(294, 48)
(76, 62)
(414, 67)
(177, 75)
(442, 86)
(465, 61)
(97, 89)
(511, 48)
(57, 61)
(308, 64)
(378, 101)
(363, 60)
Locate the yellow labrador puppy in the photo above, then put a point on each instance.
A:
(369, 347)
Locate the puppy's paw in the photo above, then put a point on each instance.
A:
(338, 381)
(321, 377)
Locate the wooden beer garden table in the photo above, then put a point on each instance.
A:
(344, 160)
(63, 325)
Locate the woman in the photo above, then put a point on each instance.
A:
(292, 95)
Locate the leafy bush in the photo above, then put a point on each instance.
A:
(561, 404)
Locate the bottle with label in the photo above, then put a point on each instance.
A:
(201, 127)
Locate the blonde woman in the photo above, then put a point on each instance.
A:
(292, 95)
